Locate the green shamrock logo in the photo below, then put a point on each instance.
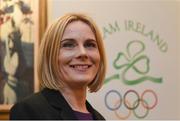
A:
(134, 61)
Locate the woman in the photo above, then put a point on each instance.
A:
(71, 60)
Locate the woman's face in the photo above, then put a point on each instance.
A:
(79, 56)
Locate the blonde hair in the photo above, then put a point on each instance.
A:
(48, 71)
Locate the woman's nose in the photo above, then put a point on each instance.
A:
(82, 53)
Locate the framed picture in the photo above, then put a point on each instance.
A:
(20, 33)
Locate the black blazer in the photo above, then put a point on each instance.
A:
(47, 104)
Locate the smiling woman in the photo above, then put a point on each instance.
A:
(79, 57)
(71, 60)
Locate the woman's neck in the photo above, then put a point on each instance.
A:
(76, 98)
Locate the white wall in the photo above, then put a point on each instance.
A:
(159, 17)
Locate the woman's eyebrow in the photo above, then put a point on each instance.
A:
(93, 40)
(68, 39)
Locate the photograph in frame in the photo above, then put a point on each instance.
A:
(19, 37)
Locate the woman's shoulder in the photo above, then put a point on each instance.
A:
(35, 100)
(34, 106)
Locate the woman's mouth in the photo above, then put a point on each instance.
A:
(80, 67)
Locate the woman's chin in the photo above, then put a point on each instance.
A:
(80, 83)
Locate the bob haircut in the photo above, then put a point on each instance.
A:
(48, 71)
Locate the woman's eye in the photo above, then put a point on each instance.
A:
(90, 45)
(68, 45)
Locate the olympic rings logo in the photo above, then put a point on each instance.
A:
(132, 107)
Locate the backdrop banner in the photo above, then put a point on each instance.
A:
(141, 41)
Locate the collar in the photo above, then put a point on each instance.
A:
(57, 101)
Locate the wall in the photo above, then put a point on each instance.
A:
(142, 30)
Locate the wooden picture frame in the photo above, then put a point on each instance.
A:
(22, 24)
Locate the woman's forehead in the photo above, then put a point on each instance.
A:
(77, 29)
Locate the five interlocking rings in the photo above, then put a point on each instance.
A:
(128, 105)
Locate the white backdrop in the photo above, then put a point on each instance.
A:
(141, 40)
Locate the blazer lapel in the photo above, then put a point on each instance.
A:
(57, 101)
(96, 115)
